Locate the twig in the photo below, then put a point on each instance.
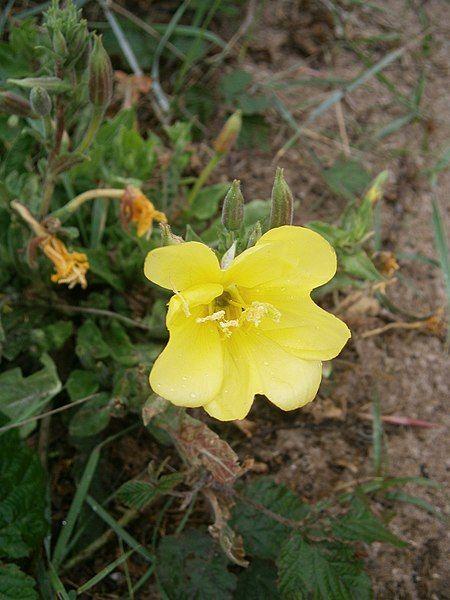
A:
(342, 129)
(389, 326)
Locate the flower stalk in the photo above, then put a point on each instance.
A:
(68, 209)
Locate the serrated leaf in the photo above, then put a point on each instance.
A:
(21, 397)
(15, 584)
(92, 418)
(263, 534)
(206, 202)
(137, 494)
(22, 497)
(321, 571)
(258, 582)
(360, 524)
(191, 566)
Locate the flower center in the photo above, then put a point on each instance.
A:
(229, 311)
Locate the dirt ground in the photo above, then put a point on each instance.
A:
(327, 446)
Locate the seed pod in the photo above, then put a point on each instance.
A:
(12, 104)
(233, 207)
(100, 75)
(229, 134)
(40, 101)
(282, 211)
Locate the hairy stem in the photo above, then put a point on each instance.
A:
(65, 211)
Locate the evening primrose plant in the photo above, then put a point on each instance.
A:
(119, 259)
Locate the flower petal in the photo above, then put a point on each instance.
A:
(314, 257)
(235, 397)
(191, 298)
(189, 370)
(183, 265)
(287, 381)
(304, 329)
(260, 265)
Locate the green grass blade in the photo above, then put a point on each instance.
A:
(56, 583)
(80, 495)
(104, 572)
(442, 248)
(120, 531)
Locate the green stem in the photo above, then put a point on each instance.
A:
(202, 178)
(49, 186)
(65, 211)
(94, 124)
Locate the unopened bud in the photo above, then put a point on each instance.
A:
(40, 101)
(167, 237)
(254, 234)
(59, 44)
(233, 207)
(375, 191)
(282, 211)
(100, 75)
(12, 104)
(229, 134)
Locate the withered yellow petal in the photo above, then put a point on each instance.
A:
(182, 266)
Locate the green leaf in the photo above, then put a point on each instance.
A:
(359, 265)
(137, 494)
(253, 104)
(90, 345)
(207, 201)
(99, 265)
(256, 210)
(360, 524)
(347, 178)
(258, 582)
(22, 497)
(321, 571)
(92, 418)
(192, 566)
(81, 383)
(234, 84)
(15, 584)
(255, 132)
(22, 397)
(263, 534)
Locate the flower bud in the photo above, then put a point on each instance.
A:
(40, 101)
(229, 134)
(233, 207)
(254, 234)
(100, 75)
(12, 104)
(282, 211)
(59, 44)
(167, 237)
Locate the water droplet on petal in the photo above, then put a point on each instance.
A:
(192, 395)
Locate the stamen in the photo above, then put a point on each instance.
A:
(258, 310)
(184, 302)
(217, 316)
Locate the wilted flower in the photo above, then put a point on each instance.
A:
(136, 208)
(70, 267)
(249, 329)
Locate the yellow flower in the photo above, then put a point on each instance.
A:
(136, 208)
(71, 267)
(249, 329)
